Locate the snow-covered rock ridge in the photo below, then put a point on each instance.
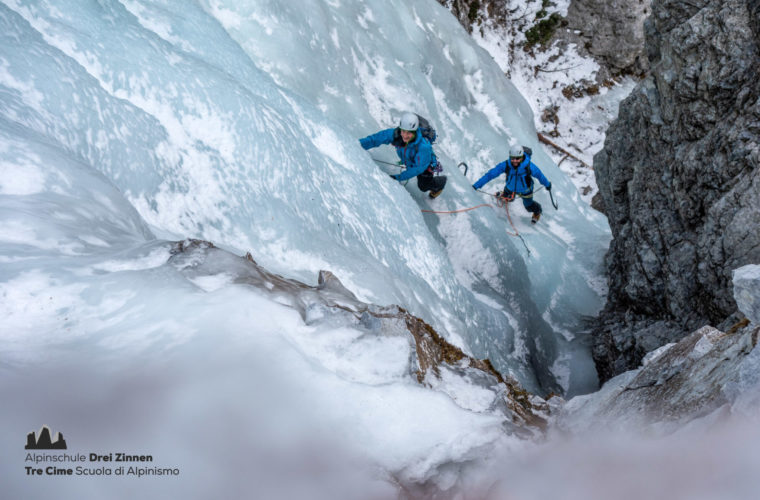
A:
(708, 372)
(329, 302)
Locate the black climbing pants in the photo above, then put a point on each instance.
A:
(426, 181)
(531, 206)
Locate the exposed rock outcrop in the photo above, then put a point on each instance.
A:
(747, 291)
(706, 371)
(612, 32)
(331, 301)
(471, 12)
(678, 176)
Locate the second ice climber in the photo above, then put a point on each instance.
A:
(414, 150)
(520, 172)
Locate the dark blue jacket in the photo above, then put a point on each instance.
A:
(417, 155)
(516, 177)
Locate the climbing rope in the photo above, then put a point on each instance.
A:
(457, 211)
(500, 202)
(505, 201)
(397, 165)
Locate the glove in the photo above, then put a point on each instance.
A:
(393, 176)
(549, 187)
(473, 187)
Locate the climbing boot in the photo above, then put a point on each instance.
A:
(435, 194)
(536, 216)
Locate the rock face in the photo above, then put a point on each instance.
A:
(702, 373)
(678, 176)
(747, 292)
(612, 32)
(471, 12)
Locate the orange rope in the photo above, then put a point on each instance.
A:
(500, 202)
(457, 211)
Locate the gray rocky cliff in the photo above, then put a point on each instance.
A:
(707, 372)
(708, 375)
(679, 180)
(609, 31)
(612, 31)
(471, 13)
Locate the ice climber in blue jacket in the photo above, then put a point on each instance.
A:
(520, 172)
(414, 150)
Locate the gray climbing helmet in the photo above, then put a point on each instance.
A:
(409, 122)
(516, 151)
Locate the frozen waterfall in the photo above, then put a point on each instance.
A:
(126, 125)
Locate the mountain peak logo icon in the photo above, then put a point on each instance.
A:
(43, 440)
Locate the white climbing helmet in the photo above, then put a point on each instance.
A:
(516, 151)
(409, 122)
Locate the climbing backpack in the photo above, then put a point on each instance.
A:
(429, 133)
(427, 130)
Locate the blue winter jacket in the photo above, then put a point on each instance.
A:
(516, 178)
(417, 155)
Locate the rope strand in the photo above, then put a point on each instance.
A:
(388, 163)
(500, 202)
(457, 211)
(504, 201)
